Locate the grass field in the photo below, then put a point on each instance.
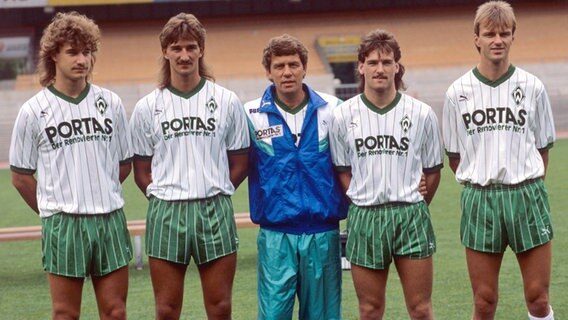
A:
(24, 292)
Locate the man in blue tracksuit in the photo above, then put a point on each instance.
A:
(294, 193)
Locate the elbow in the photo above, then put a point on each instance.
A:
(18, 182)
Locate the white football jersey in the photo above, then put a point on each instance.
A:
(497, 127)
(387, 149)
(75, 145)
(188, 135)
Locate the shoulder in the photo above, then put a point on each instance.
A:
(37, 102)
(413, 102)
(523, 75)
(252, 106)
(149, 100)
(353, 102)
(332, 101)
(218, 90)
(466, 78)
(104, 92)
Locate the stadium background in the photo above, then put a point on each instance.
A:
(435, 36)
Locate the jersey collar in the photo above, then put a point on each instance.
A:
(67, 98)
(497, 82)
(384, 110)
(189, 94)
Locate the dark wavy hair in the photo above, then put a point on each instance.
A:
(383, 41)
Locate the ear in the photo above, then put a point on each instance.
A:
(360, 68)
(476, 40)
(269, 75)
(397, 68)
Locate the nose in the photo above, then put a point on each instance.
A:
(184, 55)
(83, 58)
(380, 68)
(498, 38)
(287, 71)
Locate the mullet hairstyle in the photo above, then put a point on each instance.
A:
(72, 28)
(383, 41)
(183, 26)
(284, 45)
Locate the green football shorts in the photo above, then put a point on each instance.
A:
(377, 233)
(499, 215)
(78, 245)
(204, 229)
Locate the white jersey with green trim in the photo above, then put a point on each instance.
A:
(498, 127)
(187, 136)
(387, 149)
(294, 119)
(75, 145)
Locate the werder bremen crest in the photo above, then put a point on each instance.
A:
(211, 105)
(405, 124)
(518, 95)
(101, 105)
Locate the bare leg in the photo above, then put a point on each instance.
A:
(484, 276)
(536, 267)
(167, 281)
(370, 287)
(416, 279)
(217, 284)
(66, 293)
(111, 291)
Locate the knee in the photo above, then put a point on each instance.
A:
(116, 313)
(167, 312)
(538, 303)
(62, 314)
(421, 311)
(486, 303)
(220, 309)
(371, 311)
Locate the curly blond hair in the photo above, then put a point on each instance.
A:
(72, 28)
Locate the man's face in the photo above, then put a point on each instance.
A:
(494, 43)
(72, 63)
(287, 73)
(183, 56)
(379, 70)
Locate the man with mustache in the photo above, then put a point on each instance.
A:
(382, 143)
(191, 142)
(74, 136)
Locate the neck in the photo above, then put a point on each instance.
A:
(379, 98)
(185, 84)
(70, 88)
(493, 71)
(292, 100)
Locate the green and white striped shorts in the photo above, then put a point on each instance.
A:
(204, 229)
(499, 215)
(78, 245)
(377, 233)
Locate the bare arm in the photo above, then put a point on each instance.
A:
(544, 156)
(344, 179)
(124, 170)
(432, 182)
(422, 186)
(26, 184)
(142, 173)
(238, 167)
(454, 163)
